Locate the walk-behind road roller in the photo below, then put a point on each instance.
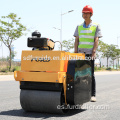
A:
(52, 81)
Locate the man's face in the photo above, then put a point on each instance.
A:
(87, 16)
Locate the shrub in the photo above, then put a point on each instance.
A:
(109, 68)
(97, 68)
(16, 68)
(4, 70)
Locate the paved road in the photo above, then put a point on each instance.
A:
(107, 106)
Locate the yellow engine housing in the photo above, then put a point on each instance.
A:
(45, 66)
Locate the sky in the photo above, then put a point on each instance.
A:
(43, 15)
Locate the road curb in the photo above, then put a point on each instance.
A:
(6, 77)
(107, 73)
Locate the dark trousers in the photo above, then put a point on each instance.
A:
(93, 93)
(93, 90)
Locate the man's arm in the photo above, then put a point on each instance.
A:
(76, 44)
(95, 47)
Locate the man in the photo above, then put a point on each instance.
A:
(86, 41)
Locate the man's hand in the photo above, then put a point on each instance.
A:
(75, 51)
(93, 55)
(94, 48)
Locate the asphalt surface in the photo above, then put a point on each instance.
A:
(107, 106)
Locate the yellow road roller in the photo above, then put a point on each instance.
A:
(52, 81)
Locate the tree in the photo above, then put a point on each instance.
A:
(100, 50)
(68, 44)
(107, 53)
(10, 30)
(115, 55)
(118, 56)
(13, 54)
(110, 52)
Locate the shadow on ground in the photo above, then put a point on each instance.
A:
(22, 113)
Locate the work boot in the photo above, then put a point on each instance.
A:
(93, 99)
